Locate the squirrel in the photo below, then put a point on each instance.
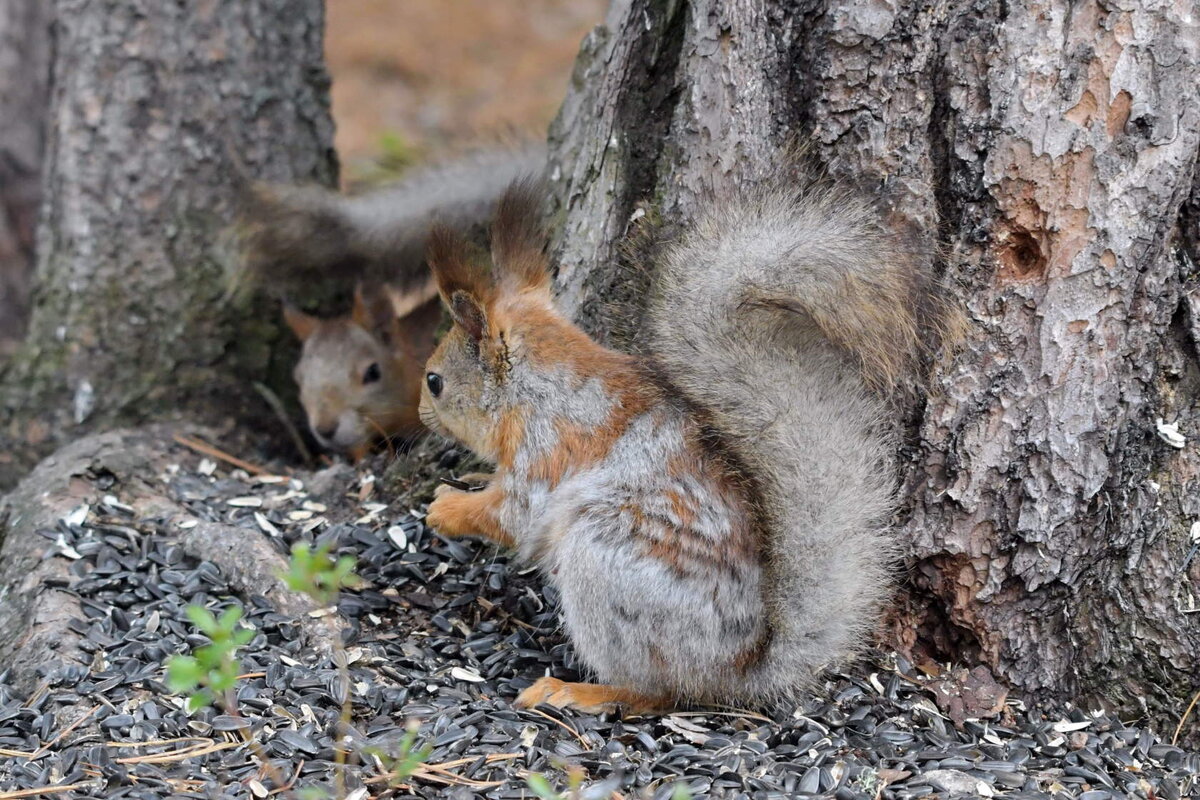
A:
(360, 373)
(714, 515)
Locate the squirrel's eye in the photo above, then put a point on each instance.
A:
(372, 374)
(434, 382)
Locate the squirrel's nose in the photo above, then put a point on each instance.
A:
(326, 432)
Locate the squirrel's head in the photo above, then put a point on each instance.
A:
(359, 375)
(501, 314)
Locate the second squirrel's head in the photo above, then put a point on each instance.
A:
(359, 375)
(506, 331)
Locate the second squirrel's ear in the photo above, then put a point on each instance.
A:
(303, 325)
(465, 285)
(373, 312)
(518, 241)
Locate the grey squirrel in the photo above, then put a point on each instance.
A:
(715, 515)
(359, 374)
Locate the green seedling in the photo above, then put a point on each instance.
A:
(315, 573)
(209, 674)
(542, 788)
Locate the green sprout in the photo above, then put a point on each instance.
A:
(317, 574)
(211, 671)
(542, 788)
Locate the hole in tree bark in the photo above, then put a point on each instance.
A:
(1021, 255)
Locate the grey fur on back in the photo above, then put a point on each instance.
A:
(293, 235)
(782, 313)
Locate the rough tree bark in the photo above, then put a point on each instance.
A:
(158, 113)
(1050, 146)
(24, 72)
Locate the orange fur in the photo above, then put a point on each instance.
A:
(682, 508)
(507, 437)
(590, 698)
(459, 513)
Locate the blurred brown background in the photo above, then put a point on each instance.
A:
(413, 78)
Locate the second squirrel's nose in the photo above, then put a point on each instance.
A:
(326, 432)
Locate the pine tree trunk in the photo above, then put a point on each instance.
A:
(1050, 146)
(159, 112)
(24, 70)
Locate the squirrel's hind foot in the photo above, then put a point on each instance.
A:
(591, 698)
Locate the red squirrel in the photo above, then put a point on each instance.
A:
(360, 375)
(713, 515)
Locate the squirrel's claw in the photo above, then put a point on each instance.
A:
(471, 482)
(590, 698)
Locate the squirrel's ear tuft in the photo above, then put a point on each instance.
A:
(303, 325)
(453, 267)
(464, 283)
(518, 240)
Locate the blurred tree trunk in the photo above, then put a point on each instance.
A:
(24, 71)
(1050, 146)
(158, 114)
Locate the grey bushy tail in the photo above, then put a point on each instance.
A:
(785, 314)
(292, 235)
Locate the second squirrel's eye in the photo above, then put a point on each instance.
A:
(434, 382)
(372, 374)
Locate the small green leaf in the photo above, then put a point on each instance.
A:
(229, 618)
(199, 700)
(541, 787)
(208, 655)
(681, 792)
(183, 673)
(203, 619)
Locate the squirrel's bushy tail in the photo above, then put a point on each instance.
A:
(292, 235)
(785, 314)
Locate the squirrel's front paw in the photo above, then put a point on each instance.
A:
(455, 512)
(444, 514)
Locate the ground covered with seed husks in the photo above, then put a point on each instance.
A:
(443, 635)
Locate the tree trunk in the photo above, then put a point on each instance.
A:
(159, 112)
(1050, 147)
(24, 71)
